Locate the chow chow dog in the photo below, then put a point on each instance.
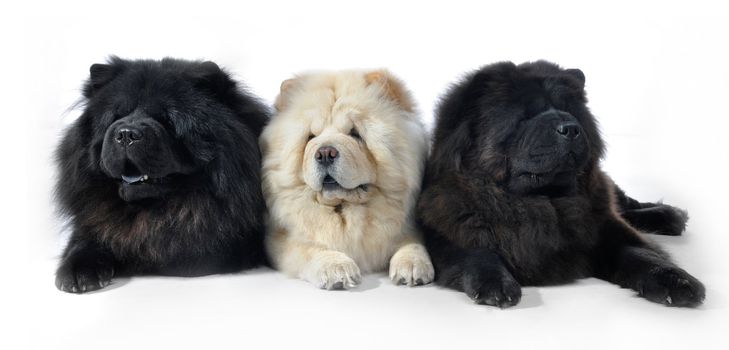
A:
(160, 174)
(514, 195)
(342, 167)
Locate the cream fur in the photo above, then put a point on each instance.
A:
(330, 237)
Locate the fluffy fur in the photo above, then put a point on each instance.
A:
(160, 174)
(342, 166)
(514, 194)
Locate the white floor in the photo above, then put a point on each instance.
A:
(262, 308)
(657, 78)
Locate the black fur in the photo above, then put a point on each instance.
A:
(188, 127)
(514, 195)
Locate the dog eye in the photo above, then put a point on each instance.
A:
(355, 134)
(311, 136)
(166, 120)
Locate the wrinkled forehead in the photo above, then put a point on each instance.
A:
(338, 117)
(332, 101)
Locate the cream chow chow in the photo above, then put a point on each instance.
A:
(342, 167)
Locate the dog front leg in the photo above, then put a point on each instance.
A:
(411, 263)
(315, 263)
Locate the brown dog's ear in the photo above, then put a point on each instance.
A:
(283, 96)
(392, 87)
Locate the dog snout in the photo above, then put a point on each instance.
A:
(127, 135)
(569, 130)
(326, 155)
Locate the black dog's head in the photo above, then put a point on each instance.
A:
(153, 127)
(526, 127)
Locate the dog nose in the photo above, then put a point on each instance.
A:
(326, 155)
(127, 135)
(569, 130)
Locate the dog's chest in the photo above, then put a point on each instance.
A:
(556, 248)
(367, 236)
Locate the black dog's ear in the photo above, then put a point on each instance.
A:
(460, 111)
(449, 149)
(208, 75)
(101, 74)
(209, 69)
(453, 119)
(576, 75)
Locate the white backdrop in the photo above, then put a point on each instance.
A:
(657, 78)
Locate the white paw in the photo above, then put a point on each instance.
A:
(335, 270)
(412, 268)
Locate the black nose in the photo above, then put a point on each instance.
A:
(326, 155)
(569, 130)
(128, 135)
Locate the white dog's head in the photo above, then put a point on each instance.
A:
(345, 136)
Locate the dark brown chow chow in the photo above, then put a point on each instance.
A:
(160, 174)
(514, 194)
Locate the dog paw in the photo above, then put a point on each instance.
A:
(411, 269)
(336, 271)
(502, 291)
(672, 286)
(662, 219)
(80, 278)
(673, 219)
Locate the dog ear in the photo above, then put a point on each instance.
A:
(392, 87)
(101, 74)
(207, 71)
(576, 76)
(208, 75)
(449, 149)
(284, 93)
(455, 116)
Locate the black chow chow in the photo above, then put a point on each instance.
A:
(160, 174)
(514, 194)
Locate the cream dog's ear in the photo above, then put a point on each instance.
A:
(283, 96)
(392, 87)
